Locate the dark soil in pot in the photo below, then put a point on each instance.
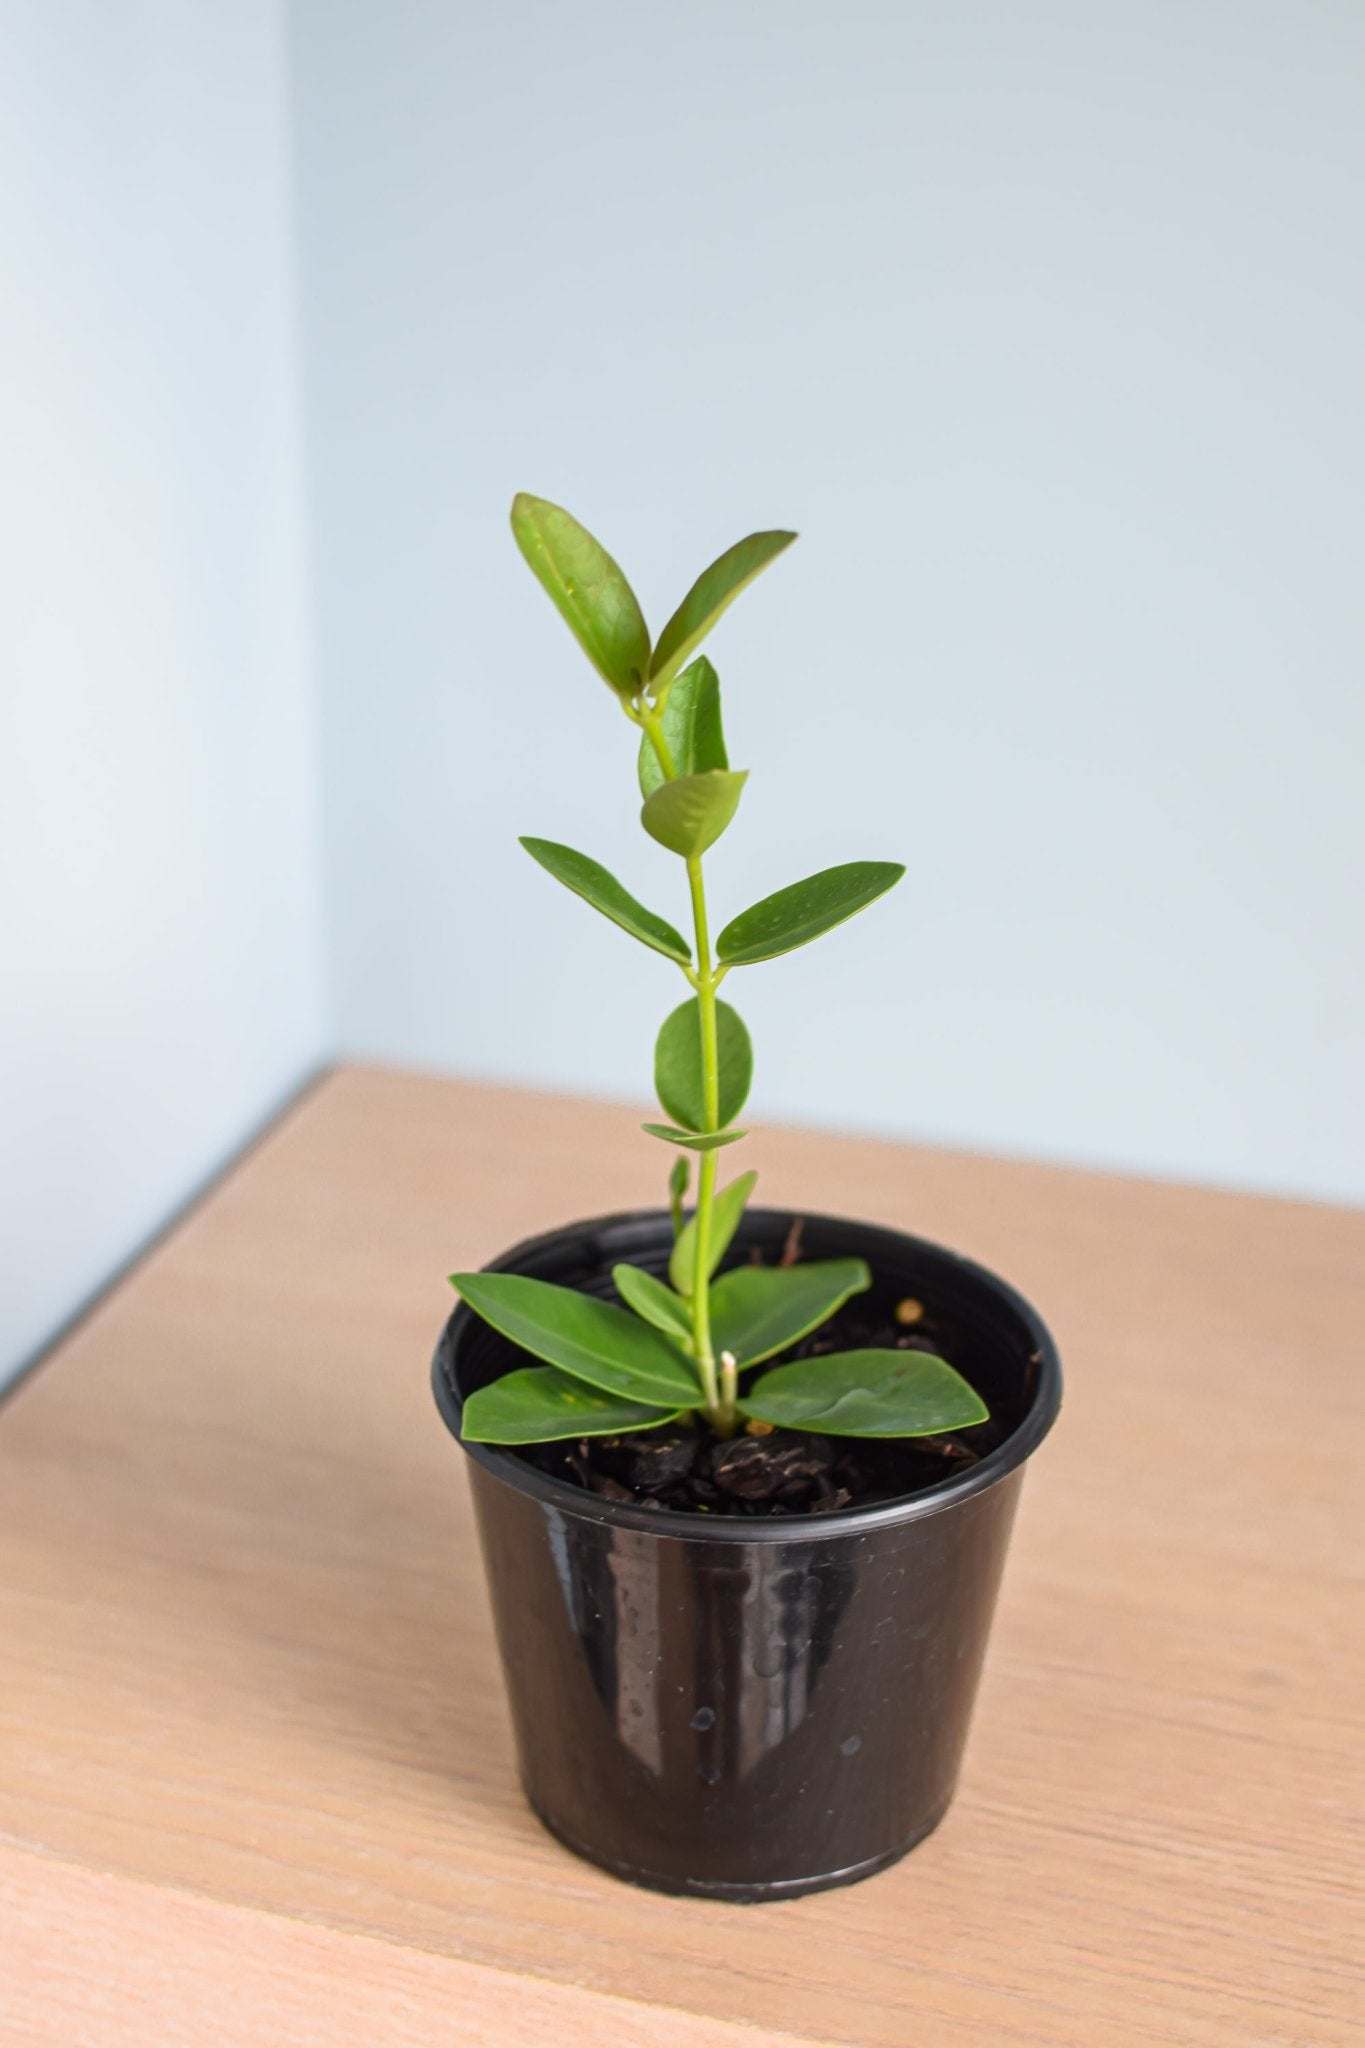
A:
(768, 1471)
(784, 1472)
(767, 1692)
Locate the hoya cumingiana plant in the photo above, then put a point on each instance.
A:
(688, 1345)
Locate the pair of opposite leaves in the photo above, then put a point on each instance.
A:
(609, 1370)
(602, 611)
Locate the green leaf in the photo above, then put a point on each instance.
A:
(538, 1405)
(691, 726)
(866, 1393)
(652, 1300)
(677, 1065)
(795, 916)
(758, 1310)
(726, 1211)
(588, 879)
(594, 1340)
(713, 590)
(695, 1141)
(690, 814)
(589, 590)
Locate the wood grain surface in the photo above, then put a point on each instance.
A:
(256, 1783)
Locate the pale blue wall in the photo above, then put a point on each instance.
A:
(1045, 324)
(160, 983)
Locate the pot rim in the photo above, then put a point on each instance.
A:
(678, 1524)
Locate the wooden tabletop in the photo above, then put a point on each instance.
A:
(256, 1784)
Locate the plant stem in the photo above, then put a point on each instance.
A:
(720, 1401)
(719, 1389)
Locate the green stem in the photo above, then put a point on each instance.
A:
(720, 1392)
(717, 1387)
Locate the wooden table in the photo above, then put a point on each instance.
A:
(256, 1785)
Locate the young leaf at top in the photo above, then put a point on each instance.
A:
(800, 913)
(652, 1300)
(588, 589)
(690, 814)
(678, 1080)
(690, 721)
(590, 880)
(866, 1393)
(537, 1405)
(725, 1214)
(713, 590)
(759, 1310)
(594, 1340)
(695, 1141)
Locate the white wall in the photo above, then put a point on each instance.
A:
(1044, 323)
(159, 956)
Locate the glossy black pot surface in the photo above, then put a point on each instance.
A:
(751, 1708)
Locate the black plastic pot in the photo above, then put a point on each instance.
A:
(751, 1708)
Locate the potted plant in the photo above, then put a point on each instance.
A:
(744, 1480)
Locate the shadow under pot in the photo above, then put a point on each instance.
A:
(752, 1707)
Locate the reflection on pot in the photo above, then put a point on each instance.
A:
(767, 1710)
